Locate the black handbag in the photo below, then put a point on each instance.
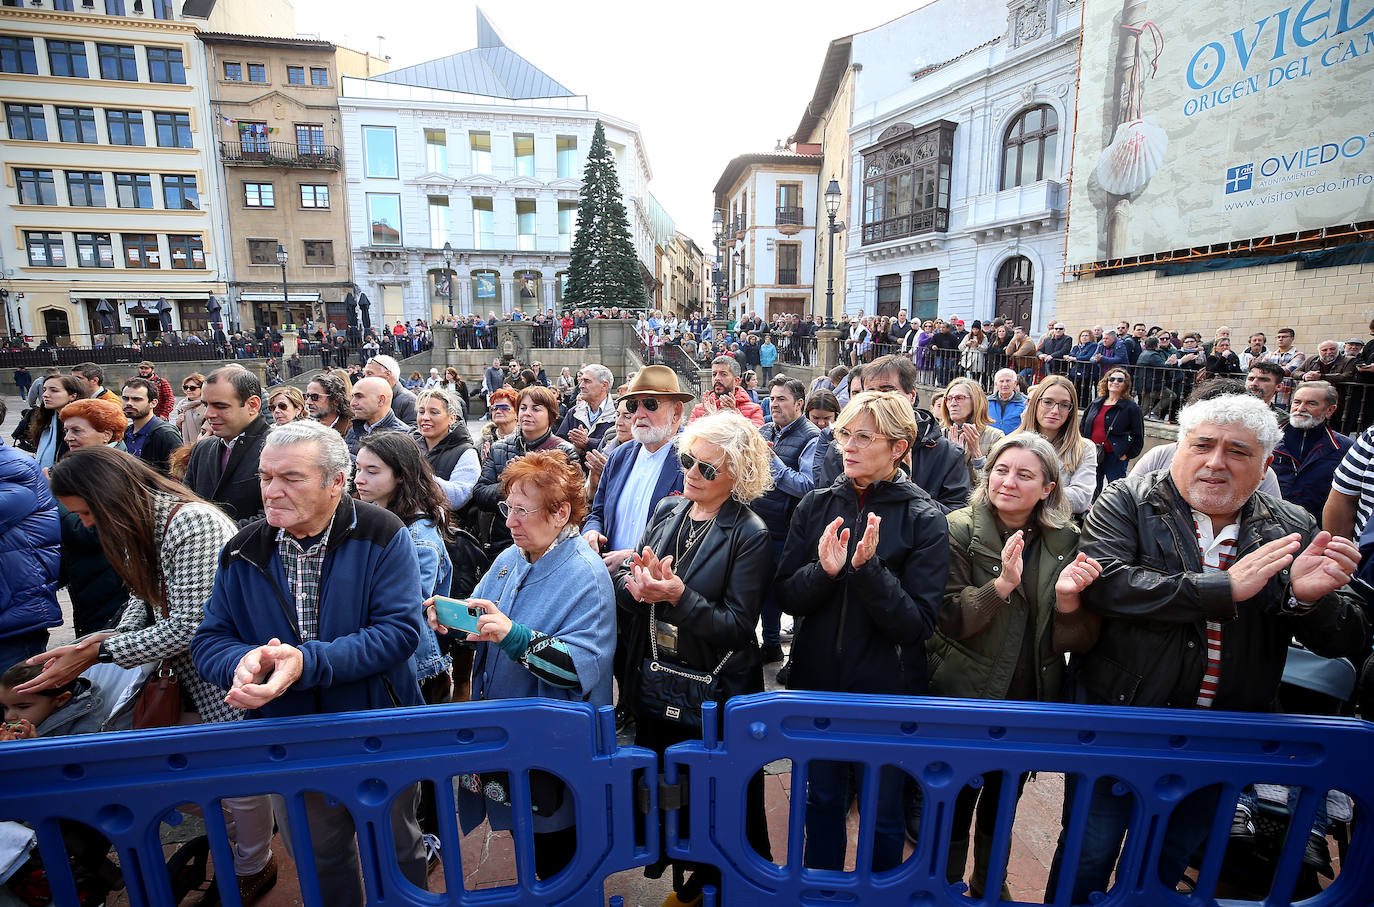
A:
(671, 692)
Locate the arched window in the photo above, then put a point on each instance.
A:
(1015, 297)
(1030, 147)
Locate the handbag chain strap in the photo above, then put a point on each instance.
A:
(668, 669)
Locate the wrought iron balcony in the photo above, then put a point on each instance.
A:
(280, 154)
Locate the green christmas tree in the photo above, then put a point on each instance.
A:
(604, 270)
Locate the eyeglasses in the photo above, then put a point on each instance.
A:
(498, 407)
(862, 439)
(314, 398)
(521, 513)
(650, 405)
(283, 405)
(957, 398)
(1065, 405)
(190, 387)
(708, 471)
(1116, 379)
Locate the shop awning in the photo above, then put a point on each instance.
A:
(276, 297)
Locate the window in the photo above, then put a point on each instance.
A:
(567, 218)
(314, 195)
(438, 221)
(117, 61)
(1030, 147)
(76, 124)
(17, 55)
(925, 295)
(319, 75)
(179, 193)
(252, 137)
(187, 251)
(25, 121)
(140, 251)
(384, 213)
(789, 263)
(125, 127)
(165, 65)
(114, 7)
(525, 239)
(483, 224)
(309, 139)
(379, 151)
(133, 190)
(889, 295)
(262, 251)
(524, 155)
(93, 250)
(35, 187)
(86, 188)
(906, 181)
(45, 249)
(436, 151)
(173, 129)
(480, 145)
(567, 156)
(295, 75)
(319, 252)
(257, 72)
(258, 195)
(68, 58)
(233, 72)
(789, 205)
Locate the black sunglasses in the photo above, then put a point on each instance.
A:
(708, 472)
(1116, 379)
(650, 405)
(314, 398)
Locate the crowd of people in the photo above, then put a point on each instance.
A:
(284, 553)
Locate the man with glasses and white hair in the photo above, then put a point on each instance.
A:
(316, 608)
(1204, 582)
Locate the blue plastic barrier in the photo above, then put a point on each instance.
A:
(1158, 755)
(125, 785)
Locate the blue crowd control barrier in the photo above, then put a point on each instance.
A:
(1159, 756)
(125, 785)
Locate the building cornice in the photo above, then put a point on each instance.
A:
(92, 21)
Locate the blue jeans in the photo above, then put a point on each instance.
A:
(1108, 817)
(827, 805)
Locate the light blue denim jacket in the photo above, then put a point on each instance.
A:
(436, 575)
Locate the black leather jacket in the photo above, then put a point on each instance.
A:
(1155, 600)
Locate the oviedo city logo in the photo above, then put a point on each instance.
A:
(1299, 162)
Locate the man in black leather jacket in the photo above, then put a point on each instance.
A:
(1204, 582)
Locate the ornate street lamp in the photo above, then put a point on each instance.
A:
(285, 299)
(832, 207)
(448, 276)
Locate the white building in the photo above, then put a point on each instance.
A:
(483, 151)
(961, 131)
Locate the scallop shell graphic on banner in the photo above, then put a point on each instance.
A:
(1135, 155)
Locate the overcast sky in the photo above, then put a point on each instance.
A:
(704, 81)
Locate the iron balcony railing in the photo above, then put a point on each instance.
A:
(280, 154)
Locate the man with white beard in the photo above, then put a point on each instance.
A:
(1306, 459)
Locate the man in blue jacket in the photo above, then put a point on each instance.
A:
(316, 608)
(30, 534)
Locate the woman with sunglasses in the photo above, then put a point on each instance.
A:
(691, 596)
(189, 412)
(865, 563)
(286, 404)
(1052, 412)
(537, 410)
(501, 408)
(1116, 426)
(547, 630)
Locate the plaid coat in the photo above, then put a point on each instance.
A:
(189, 550)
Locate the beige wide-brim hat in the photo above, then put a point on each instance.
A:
(657, 381)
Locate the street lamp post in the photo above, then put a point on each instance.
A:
(832, 207)
(718, 233)
(448, 277)
(285, 299)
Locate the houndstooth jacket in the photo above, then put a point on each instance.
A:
(188, 551)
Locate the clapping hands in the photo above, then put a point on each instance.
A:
(834, 545)
(652, 579)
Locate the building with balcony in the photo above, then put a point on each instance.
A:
(471, 165)
(769, 205)
(275, 123)
(960, 138)
(109, 168)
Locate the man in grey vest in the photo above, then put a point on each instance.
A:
(793, 439)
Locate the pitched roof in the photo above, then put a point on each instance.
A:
(490, 69)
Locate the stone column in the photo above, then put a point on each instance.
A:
(828, 348)
(443, 335)
(290, 345)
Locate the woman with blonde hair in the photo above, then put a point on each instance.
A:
(1052, 413)
(963, 411)
(1010, 612)
(691, 597)
(286, 404)
(1115, 425)
(865, 562)
(190, 410)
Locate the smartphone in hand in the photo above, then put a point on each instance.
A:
(456, 613)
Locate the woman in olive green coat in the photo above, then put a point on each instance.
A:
(1010, 611)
